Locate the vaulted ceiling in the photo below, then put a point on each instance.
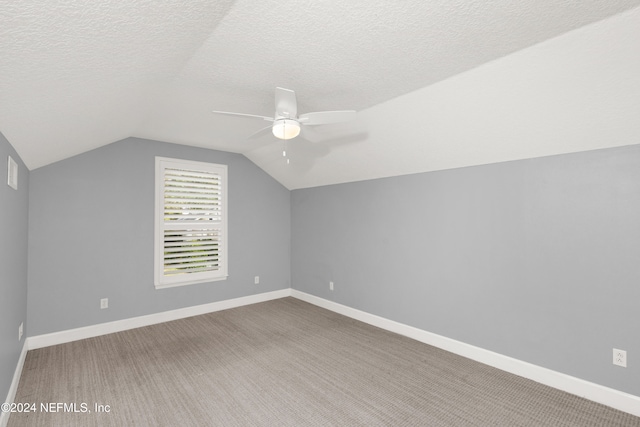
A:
(437, 84)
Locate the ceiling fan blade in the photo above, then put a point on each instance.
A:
(286, 105)
(310, 134)
(260, 132)
(243, 115)
(326, 117)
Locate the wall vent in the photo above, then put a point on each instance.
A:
(12, 175)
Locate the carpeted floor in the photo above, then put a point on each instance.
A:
(283, 363)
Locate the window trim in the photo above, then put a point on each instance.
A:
(161, 280)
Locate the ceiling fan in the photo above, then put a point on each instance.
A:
(286, 124)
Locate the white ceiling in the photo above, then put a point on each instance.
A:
(79, 74)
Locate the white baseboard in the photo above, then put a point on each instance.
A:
(62, 337)
(4, 416)
(607, 396)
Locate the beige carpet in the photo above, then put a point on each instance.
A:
(284, 363)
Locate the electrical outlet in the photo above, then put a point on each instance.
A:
(20, 330)
(330, 286)
(104, 303)
(256, 280)
(620, 357)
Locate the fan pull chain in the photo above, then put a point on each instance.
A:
(284, 150)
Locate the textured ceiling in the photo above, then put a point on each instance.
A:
(79, 74)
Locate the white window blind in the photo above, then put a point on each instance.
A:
(191, 231)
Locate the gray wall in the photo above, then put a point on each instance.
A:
(13, 265)
(536, 259)
(91, 236)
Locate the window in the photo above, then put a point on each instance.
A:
(190, 222)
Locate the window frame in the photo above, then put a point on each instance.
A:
(161, 280)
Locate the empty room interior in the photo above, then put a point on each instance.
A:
(320, 213)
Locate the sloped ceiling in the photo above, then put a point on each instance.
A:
(77, 74)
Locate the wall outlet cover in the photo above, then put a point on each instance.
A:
(620, 357)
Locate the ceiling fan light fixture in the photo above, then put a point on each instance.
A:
(286, 129)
